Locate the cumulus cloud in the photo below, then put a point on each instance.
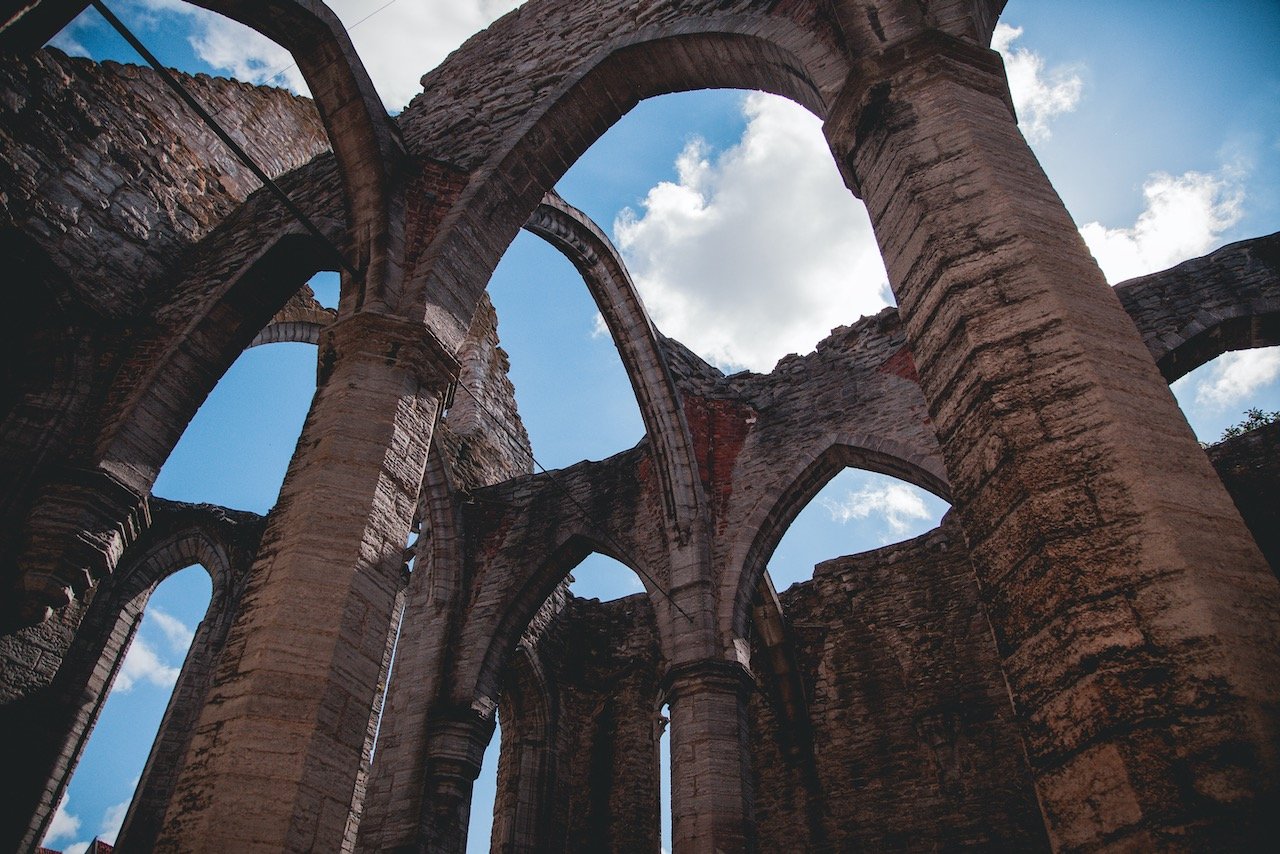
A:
(1234, 377)
(398, 42)
(1184, 217)
(112, 821)
(757, 251)
(178, 634)
(142, 664)
(898, 504)
(68, 40)
(1039, 94)
(599, 329)
(65, 824)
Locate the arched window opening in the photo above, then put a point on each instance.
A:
(1220, 395)
(857, 511)
(97, 797)
(742, 238)
(325, 286)
(483, 795)
(573, 394)
(601, 577)
(237, 448)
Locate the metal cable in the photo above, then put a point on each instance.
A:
(242, 155)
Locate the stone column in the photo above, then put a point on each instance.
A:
(455, 751)
(711, 806)
(276, 752)
(1133, 612)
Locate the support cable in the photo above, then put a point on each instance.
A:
(586, 514)
(242, 155)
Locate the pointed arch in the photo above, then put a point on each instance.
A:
(782, 502)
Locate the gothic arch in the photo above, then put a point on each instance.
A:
(778, 507)
(1202, 308)
(591, 252)
(491, 196)
(500, 637)
(222, 543)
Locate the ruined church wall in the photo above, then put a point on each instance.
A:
(96, 157)
(915, 746)
(601, 666)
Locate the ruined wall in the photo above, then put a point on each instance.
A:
(107, 180)
(1249, 466)
(104, 155)
(601, 667)
(915, 744)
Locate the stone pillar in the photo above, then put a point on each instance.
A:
(455, 751)
(1134, 615)
(711, 803)
(276, 753)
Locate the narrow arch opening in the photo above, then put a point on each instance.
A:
(100, 790)
(601, 577)
(857, 511)
(325, 286)
(572, 391)
(1219, 395)
(483, 796)
(237, 447)
(664, 777)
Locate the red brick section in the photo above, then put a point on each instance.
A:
(1134, 614)
(277, 748)
(719, 429)
(900, 364)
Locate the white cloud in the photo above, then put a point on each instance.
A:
(142, 664)
(897, 503)
(758, 251)
(177, 633)
(1184, 217)
(1236, 376)
(67, 41)
(397, 43)
(112, 821)
(76, 848)
(599, 329)
(1038, 94)
(65, 824)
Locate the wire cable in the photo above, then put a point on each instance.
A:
(266, 81)
(242, 155)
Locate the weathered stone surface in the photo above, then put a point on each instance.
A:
(1127, 685)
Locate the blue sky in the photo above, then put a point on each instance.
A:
(1158, 122)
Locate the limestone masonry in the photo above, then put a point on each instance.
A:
(1084, 656)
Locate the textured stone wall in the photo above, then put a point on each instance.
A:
(94, 155)
(1091, 528)
(915, 744)
(600, 664)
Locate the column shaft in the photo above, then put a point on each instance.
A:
(1134, 614)
(276, 752)
(710, 772)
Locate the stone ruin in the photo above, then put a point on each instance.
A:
(1083, 657)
